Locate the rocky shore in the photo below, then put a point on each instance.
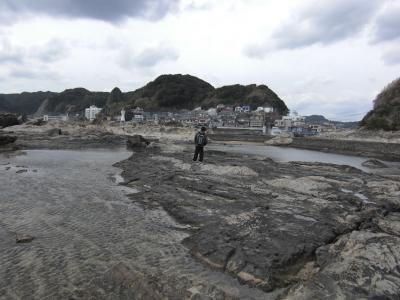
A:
(362, 143)
(283, 230)
(62, 137)
(293, 230)
(375, 149)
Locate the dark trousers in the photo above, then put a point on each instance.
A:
(197, 151)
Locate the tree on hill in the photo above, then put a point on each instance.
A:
(386, 112)
(166, 92)
(251, 95)
(172, 91)
(75, 100)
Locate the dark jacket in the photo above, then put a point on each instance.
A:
(200, 139)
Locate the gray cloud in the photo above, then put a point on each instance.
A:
(51, 51)
(33, 73)
(10, 53)
(105, 10)
(148, 57)
(392, 57)
(322, 22)
(387, 26)
(344, 107)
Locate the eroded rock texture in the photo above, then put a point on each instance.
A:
(293, 230)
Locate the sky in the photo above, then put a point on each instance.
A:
(328, 57)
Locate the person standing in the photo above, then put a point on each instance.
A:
(200, 140)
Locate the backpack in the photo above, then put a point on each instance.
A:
(200, 139)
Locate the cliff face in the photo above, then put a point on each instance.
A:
(386, 112)
(166, 92)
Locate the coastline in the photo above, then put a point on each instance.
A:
(278, 227)
(288, 230)
(372, 149)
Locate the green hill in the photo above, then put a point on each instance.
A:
(74, 101)
(386, 112)
(319, 120)
(172, 92)
(24, 103)
(166, 92)
(252, 95)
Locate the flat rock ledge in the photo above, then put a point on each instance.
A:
(292, 230)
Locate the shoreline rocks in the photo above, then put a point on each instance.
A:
(265, 228)
(279, 141)
(378, 150)
(7, 139)
(136, 141)
(23, 238)
(7, 120)
(374, 164)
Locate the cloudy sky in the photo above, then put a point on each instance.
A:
(326, 57)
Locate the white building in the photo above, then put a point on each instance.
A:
(212, 112)
(238, 109)
(91, 112)
(138, 118)
(293, 120)
(265, 109)
(275, 131)
(55, 118)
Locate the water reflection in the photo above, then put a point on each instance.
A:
(286, 154)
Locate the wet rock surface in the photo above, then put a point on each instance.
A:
(242, 227)
(295, 230)
(136, 141)
(91, 240)
(57, 138)
(23, 238)
(279, 141)
(7, 139)
(374, 164)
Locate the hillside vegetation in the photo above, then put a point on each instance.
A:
(23, 103)
(252, 95)
(75, 100)
(166, 92)
(386, 112)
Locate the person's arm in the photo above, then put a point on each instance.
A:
(206, 140)
(195, 138)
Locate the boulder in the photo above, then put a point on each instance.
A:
(24, 238)
(54, 132)
(279, 140)
(7, 120)
(7, 139)
(137, 141)
(374, 164)
(39, 122)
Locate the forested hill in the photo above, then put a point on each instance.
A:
(386, 112)
(166, 92)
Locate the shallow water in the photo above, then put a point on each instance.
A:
(84, 224)
(286, 154)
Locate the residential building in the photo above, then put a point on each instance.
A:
(91, 112)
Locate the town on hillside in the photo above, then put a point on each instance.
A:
(263, 118)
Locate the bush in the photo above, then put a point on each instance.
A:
(376, 122)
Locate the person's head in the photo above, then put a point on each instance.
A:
(203, 129)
